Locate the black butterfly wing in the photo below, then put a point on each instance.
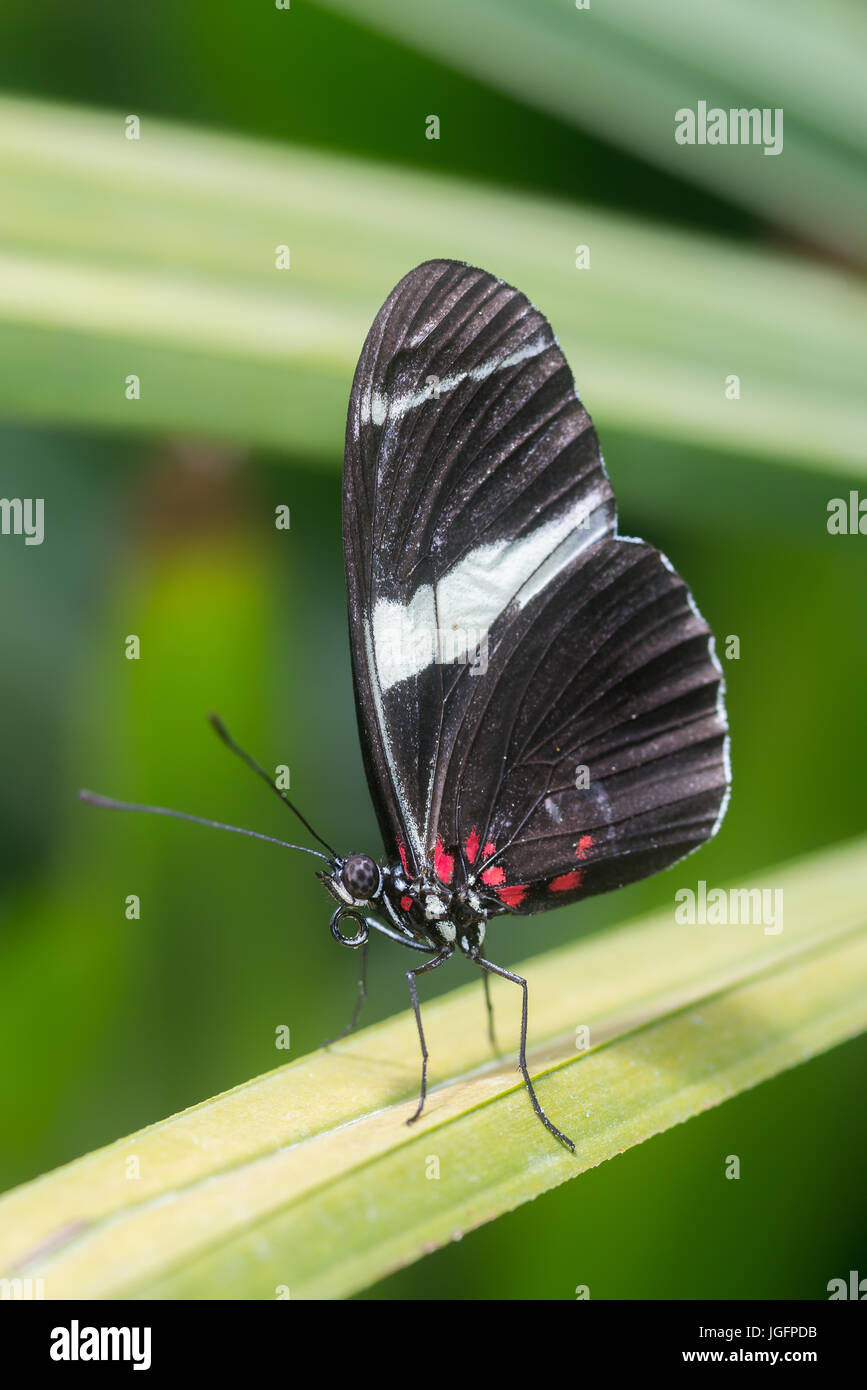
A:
(595, 751)
(464, 438)
(479, 523)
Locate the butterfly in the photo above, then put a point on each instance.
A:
(540, 706)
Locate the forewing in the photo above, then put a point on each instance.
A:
(472, 480)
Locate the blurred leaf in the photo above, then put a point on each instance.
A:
(622, 70)
(307, 1178)
(156, 258)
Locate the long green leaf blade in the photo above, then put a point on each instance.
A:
(622, 71)
(307, 1179)
(156, 258)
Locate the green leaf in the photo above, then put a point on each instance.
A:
(622, 71)
(308, 1179)
(156, 258)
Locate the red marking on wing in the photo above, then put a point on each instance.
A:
(402, 852)
(584, 846)
(573, 879)
(471, 846)
(406, 903)
(513, 893)
(488, 850)
(443, 863)
(495, 874)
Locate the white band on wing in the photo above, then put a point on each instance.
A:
(407, 638)
(380, 408)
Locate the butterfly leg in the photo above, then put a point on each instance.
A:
(519, 980)
(490, 1007)
(362, 995)
(413, 994)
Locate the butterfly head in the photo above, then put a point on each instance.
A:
(355, 880)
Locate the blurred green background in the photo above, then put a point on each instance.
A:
(159, 522)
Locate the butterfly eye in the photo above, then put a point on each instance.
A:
(361, 875)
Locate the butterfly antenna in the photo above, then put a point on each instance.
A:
(110, 804)
(230, 743)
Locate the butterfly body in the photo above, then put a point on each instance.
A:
(424, 911)
(539, 701)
